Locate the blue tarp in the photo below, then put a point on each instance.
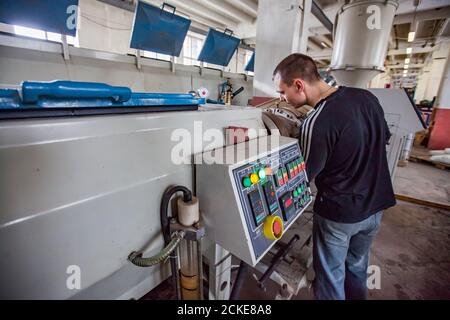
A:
(218, 48)
(49, 15)
(251, 64)
(158, 30)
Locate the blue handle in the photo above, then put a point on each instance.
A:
(33, 91)
(9, 99)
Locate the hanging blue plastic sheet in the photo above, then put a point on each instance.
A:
(219, 47)
(158, 30)
(251, 64)
(49, 15)
(72, 98)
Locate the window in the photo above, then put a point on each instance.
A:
(43, 35)
(192, 46)
(154, 55)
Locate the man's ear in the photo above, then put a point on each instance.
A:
(299, 84)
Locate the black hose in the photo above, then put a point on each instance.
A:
(240, 278)
(165, 227)
(238, 91)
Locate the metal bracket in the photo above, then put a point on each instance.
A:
(138, 59)
(194, 233)
(172, 64)
(65, 47)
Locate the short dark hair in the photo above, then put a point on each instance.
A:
(297, 65)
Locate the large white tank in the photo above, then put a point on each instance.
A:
(361, 37)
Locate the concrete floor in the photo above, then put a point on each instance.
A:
(412, 248)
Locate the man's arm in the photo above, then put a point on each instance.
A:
(316, 144)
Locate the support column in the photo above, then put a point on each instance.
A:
(277, 35)
(440, 132)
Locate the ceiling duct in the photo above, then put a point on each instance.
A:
(361, 35)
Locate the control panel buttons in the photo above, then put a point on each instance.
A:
(246, 182)
(262, 173)
(291, 170)
(254, 178)
(296, 167)
(285, 175)
(273, 227)
(279, 178)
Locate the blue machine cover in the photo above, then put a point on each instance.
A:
(72, 94)
(157, 30)
(219, 48)
(49, 15)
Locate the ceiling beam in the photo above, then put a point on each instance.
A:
(431, 14)
(401, 65)
(195, 9)
(316, 31)
(321, 16)
(415, 50)
(247, 6)
(227, 10)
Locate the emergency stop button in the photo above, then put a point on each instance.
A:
(273, 227)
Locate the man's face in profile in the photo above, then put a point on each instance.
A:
(293, 94)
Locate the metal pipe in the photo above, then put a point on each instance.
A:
(200, 268)
(240, 278)
(165, 227)
(276, 261)
(321, 16)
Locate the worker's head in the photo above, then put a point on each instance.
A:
(293, 76)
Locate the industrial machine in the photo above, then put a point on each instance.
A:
(81, 193)
(261, 192)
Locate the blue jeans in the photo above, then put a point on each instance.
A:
(341, 257)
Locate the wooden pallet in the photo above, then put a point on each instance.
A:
(422, 202)
(426, 159)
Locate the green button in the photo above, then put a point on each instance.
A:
(262, 173)
(246, 182)
(299, 190)
(295, 194)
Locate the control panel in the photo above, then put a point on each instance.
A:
(263, 192)
(273, 186)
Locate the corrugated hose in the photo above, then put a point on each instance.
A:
(137, 259)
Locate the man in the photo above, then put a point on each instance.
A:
(343, 142)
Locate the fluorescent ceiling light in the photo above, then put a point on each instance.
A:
(407, 60)
(405, 66)
(411, 36)
(408, 50)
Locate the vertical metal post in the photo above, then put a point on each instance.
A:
(200, 268)
(65, 47)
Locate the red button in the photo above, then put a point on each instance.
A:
(276, 227)
(288, 202)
